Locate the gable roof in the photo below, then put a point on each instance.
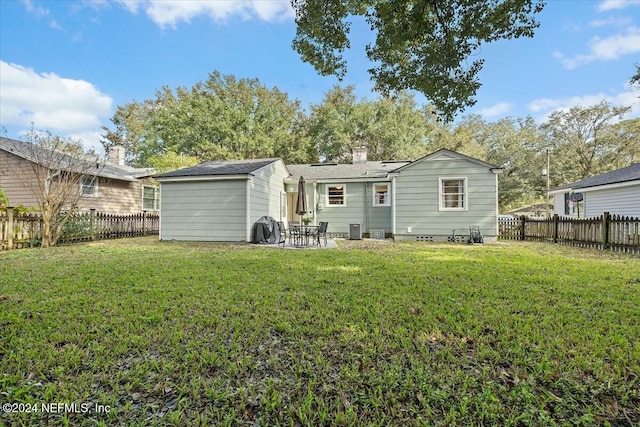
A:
(107, 169)
(364, 170)
(220, 168)
(446, 154)
(629, 173)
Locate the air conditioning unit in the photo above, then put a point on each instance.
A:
(355, 232)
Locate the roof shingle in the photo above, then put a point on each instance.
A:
(214, 168)
(629, 173)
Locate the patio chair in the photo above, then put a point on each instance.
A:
(283, 233)
(322, 232)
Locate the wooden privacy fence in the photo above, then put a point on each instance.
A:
(606, 232)
(25, 230)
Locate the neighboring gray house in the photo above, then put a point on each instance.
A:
(433, 198)
(616, 192)
(220, 201)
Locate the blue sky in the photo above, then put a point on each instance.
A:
(67, 65)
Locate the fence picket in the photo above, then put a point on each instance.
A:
(611, 232)
(25, 230)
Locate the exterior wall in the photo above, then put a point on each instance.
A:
(624, 200)
(417, 199)
(359, 209)
(267, 187)
(339, 217)
(213, 210)
(13, 171)
(114, 196)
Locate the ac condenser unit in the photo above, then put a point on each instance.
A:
(355, 232)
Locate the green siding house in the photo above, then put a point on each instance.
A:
(435, 198)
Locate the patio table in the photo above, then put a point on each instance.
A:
(304, 231)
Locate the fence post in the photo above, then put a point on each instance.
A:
(556, 224)
(606, 217)
(523, 220)
(144, 225)
(9, 227)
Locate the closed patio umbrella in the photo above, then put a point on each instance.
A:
(301, 204)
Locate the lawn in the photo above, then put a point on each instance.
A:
(139, 332)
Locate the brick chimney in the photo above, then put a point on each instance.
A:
(116, 154)
(359, 155)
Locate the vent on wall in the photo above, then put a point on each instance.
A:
(425, 239)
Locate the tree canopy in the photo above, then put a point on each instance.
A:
(228, 118)
(426, 45)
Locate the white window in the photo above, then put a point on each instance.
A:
(336, 195)
(453, 194)
(150, 198)
(89, 186)
(382, 194)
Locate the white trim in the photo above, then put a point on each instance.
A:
(156, 192)
(248, 209)
(202, 178)
(393, 205)
(94, 181)
(344, 196)
(375, 199)
(465, 194)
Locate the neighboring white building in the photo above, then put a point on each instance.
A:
(616, 192)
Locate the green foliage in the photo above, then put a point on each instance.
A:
(635, 79)
(4, 200)
(578, 137)
(390, 128)
(171, 161)
(427, 46)
(367, 334)
(78, 226)
(229, 118)
(220, 119)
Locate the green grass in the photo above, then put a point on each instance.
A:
(368, 334)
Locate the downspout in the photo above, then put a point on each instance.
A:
(393, 206)
(366, 208)
(160, 214)
(248, 213)
(315, 203)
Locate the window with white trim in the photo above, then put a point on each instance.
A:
(89, 186)
(336, 195)
(453, 194)
(150, 198)
(382, 194)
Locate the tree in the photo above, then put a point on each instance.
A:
(390, 128)
(635, 79)
(424, 45)
(131, 130)
(55, 179)
(625, 137)
(219, 119)
(578, 137)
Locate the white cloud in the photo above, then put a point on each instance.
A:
(50, 101)
(168, 13)
(41, 12)
(604, 49)
(38, 11)
(545, 106)
(499, 109)
(616, 4)
(615, 21)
